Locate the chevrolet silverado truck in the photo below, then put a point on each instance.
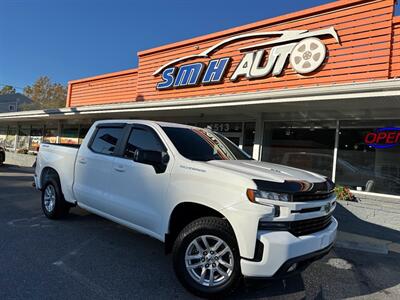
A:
(222, 215)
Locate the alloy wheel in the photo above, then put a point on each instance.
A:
(49, 198)
(209, 260)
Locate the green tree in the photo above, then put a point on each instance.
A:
(45, 94)
(7, 89)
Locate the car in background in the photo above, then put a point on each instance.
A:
(355, 177)
(2, 155)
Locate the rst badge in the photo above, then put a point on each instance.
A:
(304, 49)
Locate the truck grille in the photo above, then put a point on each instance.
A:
(304, 197)
(304, 227)
(298, 228)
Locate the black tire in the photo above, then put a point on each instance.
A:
(210, 226)
(2, 158)
(61, 207)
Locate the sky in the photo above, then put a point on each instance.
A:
(72, 39)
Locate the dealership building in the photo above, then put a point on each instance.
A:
(317, 89)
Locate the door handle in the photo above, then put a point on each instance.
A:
(82, 161)
(119, 169)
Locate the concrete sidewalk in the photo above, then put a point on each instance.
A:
(364, 243)
(357, 232)
(17, 159)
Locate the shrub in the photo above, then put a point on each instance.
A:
(22, 151)
(344, 193)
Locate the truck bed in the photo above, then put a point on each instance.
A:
(76, 146)
(61, 157)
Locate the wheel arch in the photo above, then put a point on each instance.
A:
(183, 214)
(47, 173)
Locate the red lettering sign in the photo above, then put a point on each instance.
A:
(383, 138)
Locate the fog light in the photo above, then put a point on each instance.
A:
(292, 267)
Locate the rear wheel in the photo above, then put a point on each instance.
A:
(206, 258)
(2, 158)
(54, 205)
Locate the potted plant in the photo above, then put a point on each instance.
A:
(343, 193)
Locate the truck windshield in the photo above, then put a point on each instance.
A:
(203, 145)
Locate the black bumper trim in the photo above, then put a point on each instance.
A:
(302, 261)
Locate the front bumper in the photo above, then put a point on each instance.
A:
(282, 249)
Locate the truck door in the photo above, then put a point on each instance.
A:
(94, 165)
(139, 191)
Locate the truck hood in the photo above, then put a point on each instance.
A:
(267, 171)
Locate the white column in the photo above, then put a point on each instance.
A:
(335, 150)
(16, 139)
(258, 138)
(58, 132)
(29, 137)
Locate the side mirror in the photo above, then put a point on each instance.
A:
(157, 159)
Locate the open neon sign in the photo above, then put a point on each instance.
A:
(383, 138)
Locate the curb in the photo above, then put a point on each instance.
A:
(362, 243)
(365, 247)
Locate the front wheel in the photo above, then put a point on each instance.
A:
(206, 257)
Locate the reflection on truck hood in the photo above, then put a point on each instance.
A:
(267, 171)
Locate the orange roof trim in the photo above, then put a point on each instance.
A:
(283, 18)
(102, 76)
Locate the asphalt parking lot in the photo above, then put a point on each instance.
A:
(85, 257)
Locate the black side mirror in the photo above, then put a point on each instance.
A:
(157, 159)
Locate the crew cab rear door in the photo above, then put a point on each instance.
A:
(94, 164)
(140, 192)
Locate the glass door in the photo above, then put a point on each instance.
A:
(234, 137)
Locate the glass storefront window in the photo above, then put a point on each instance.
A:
(222, 127)
(3, 135)
(307, 145)
(364, 167)
(69, 134)
(23, 139)
(50, 135)
(82, 133)
(248, 137)
(10, 138)
(231, 130)
(36, 138)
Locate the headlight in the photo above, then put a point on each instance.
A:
(257, 196)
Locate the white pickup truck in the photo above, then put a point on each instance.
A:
(222, 214)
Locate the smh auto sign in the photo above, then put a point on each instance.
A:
(304, 49)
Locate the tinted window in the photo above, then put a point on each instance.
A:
(142, 139)
(307, 146)
(106, 140)
(203, 145)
